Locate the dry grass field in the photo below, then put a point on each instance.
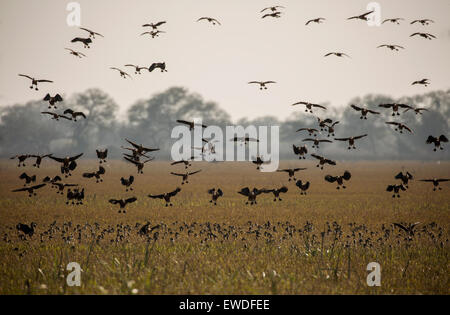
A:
(320, 243)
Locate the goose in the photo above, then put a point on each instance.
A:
(215, 194)
(191, 124)
(61, 187)
(330, 128)
(28, 179)
(291, 172)
(21, 158)
(56, 116)
(52, 181)
(316, 20)
(323, 123)
(339, 179)
(277, 192)
(309, 106)
(154, 26)
(417, 110)
(122, 203)
(135, 156)
(399, 126)
(422, 21)
(273, 8)
(137, 69)
(153, 34)
(300, 151)
(436, 182)
(424, 82)
(311, 131)
(185, 176)
(316, 141)
(74, 114)
(437, 141)
(274, 15)
(39, 158)
(245, 140)
(157, 65)
(91, 33)
(85, 41)
(351, 140)
(302, 186)
(364, 111)
(140, 148)
(102, 155)
(337, 54)
(409, 228)
(323, 161)
(395, 107)
(258, 162)
(67, 170)
(97, 174)
(405, 178)
(393, 20)
(166, 196)
(52, 100)
(363, 17)
(186, 163)
(76, 196)
(262, 84)
(66, 160)
(34, 82)
(75, 53)
(396, 189)
(250, 194)
(127, 182)
(209, 19)
(26, 229)
(30, 190)
(424, 35)
(391, 47)
(123, 74)
(139, 164)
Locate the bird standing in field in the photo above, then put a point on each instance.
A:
(291, 172)
(309, 106)
(27, 230)
(34, 81)
(364, 111)
(102, 155)
(31, 189)
(185, 176)
(339, 179)
(276, 192)
(166, 196)
(215, 194)
(74, 114)
(300, 151)
(52, 100)
(262, 84)
(437, 141)
(127, 182)
(399, 126)
(396, 189)
(211, 20)
(122, 203)
(250, 194)
(323, 161)
(302, 186)
(351, 140)
(436, 182)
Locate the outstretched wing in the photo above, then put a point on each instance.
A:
(330, 178)
(244, 191)
(173, 193)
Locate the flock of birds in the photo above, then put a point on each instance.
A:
(136, 154)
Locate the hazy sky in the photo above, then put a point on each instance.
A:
(218, 61)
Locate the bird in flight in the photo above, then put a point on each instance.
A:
(291, 172)
(393, 20)
(137, 69)
(102, 155)
(316, 20)
(302, 186)
(154, 26)
(424, 35)
(316, 141)
(274, 15)
(157, 65)
(396, 189)
(127, 182)
(405, 178)
(417, 110)
(75, 53)
(74, 114)
(338, 54)
(185, 176)
(273, 9)
(364, 111)
(300, 151)
(250, 194)
(91, 33)
(166, 196)
(215, 194)
(392, 47)
(323, 122)
(21, 158)
(140, 148)
(31, 190)
(309, 106)
(97, 174)
(52, 100)
(311, 131)
(423, 21)
(186, 163)
(436, 182)
(339, 179)
(330, 128)
(34, 82)
(408, 228)
(28, 179)
(276, 192)
(364, 17)
(399, 126)
(245, 140)
(122, 203)
(259, 162)
(153, 34)
(210, 20)
(437, 141)
(139, 164)
(67, 162)
(85, 41)
(56, 116)
(39, 158)
(123, 74)
(262, 84)
(395, 107)
(351, 140)
(191, 124)
(323, 161)
(424, 82)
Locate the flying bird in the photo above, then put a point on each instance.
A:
(215, 194)
(185, 176)
(97, 174)
(30, 190)
(393, 20)
(291, 172)
(137, 69)
(21, 158)
(311, 131)
(274, 15)
(154, 26)
(28, 179)
(209, 19)
(424, 35)
(330, 128)
(316, 141)
(339, 179)
(139, 164)
(417, 110)
(61, 186)
(140, 148)
(391, 47)
(250, 194)
(56, 116)
(245, 140)
(405, 178)
(259, 162)
(273, 8)
(91, 33)
(395, 107)
(337, 54)
(437, 141)
(34, 81)
(85, 41)
(123, 74)
(309, 106)
(396, 189)
(74, 114)
(300, 151)
(422, 21)
(276, 192)
(424, 82)
(122, 203)
(302, 186)
(262, 84)
(363, 17)
(323, 161)
(316, 20)
(364, 111)
(39, 159)
(191, 124)
(127, 182)
(52, 100)
(166, 196)
(409, 228)
(153, 34)
(75, 53)
(435, 182)
(66, 160)
(351, 140)
(157, 65)
(399, 126)
(27, 230)
(323, 122)
(186, 163)
(102, 155)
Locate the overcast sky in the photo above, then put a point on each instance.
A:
(218, 61)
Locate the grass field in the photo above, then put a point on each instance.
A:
(320, 243)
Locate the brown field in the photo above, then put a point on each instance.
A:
(231, 248)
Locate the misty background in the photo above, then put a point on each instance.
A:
(23, 129)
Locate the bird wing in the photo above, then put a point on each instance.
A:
(330, 178)
(130, 160)
(355, 107)
(26, 76)
(177, 174)
(38, 186)
(244, 191)
(73, 158)
(130, 200)
(192, 173)
(173, 193)
(443, 138)
(342, 139)
(317, 156)
(359, 137)
(156, 196)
